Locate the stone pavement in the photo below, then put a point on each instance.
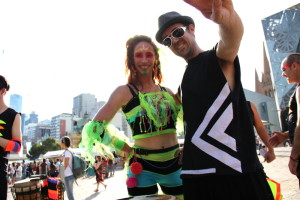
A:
(278, 171)
(116, 187)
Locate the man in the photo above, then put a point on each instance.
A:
(290, 67)
(24, 170)
(219, 156)
(44, 167)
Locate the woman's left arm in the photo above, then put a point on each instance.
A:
(262, 132)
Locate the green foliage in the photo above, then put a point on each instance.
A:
(50, 145)
(37, 149)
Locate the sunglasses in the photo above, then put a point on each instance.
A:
(176, 33)
(283, 68)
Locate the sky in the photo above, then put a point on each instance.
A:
(52, 51)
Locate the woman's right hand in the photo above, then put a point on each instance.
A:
(127, 150)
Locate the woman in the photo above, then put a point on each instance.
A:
(34, 168)
(67, 158)
(53, 172)
(10, 135)
(100, 171)
(151, 111)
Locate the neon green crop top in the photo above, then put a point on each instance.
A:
(151, 114)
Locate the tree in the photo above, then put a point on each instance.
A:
(37, 149)
(50, 145)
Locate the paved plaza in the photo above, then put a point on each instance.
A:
(116, 189)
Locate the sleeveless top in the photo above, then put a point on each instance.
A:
(6, 122)
(150, 114)
(219, 136)
(292, 115)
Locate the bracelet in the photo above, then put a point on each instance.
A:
(295, 160)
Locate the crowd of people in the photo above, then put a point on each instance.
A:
(219, 158)
(21, 170)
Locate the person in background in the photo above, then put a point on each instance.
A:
(43, 168)
(24, 170)
(14, 175)
(100, 172)
(67, 158)
(290, 67)
(30, 169)
(105, 162)
(10, 135)
(111, 168)
(53, 172)
(10, 172)
(57, 163)
(19, 172)
(219, 155)
(151, 111)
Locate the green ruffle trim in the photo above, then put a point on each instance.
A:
(98, 138)
(158, 107)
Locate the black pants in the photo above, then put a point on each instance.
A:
(233, 187)
(3, 188)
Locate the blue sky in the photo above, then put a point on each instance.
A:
(52, 51)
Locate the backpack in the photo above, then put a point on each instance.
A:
(78, 166)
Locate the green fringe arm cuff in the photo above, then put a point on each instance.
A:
(96, 134)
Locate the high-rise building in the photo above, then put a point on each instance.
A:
(84, 104)
(61, 125)
(16, 102)
(33, 119)
(282, 37)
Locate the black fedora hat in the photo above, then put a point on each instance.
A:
(168, 19)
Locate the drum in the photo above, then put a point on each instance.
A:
(60, 189)
(27, 189)
(52, 188)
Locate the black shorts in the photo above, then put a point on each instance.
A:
(233, 187)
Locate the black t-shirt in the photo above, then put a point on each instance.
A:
(6, 122)
(219, 131)
(292, 117)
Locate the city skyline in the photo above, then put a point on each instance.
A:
(54, 51)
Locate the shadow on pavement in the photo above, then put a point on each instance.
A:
(92, 196)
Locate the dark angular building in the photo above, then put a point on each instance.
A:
(282, 37)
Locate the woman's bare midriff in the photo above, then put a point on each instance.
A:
(157, 142)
